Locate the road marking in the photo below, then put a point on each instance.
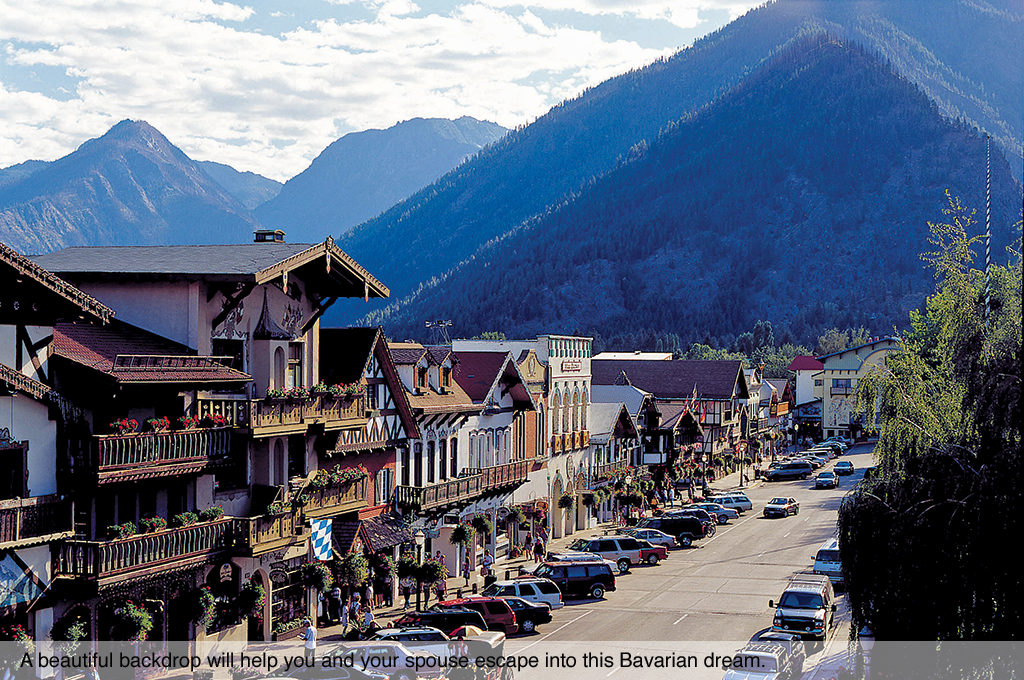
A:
(786, 534)
(612, 671)
(567, 623)
(680, 618)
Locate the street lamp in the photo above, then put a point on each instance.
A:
(867, 642)
(420, 538)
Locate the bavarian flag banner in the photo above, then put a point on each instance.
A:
(322, 547)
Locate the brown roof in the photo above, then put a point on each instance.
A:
(716, 379)
(479, 373)
(805, 363)
(129, 354)
(405, 353)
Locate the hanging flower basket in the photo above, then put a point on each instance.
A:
(251, 599)
(204, 607)
(318, 575)
(462, 535)
(482, 523)
(516, 515)
(130, 622)
(566, 501)
(432, 571)
(353, 570)
(407, 567)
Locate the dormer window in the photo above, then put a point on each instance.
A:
(446, 377)
(421, 377)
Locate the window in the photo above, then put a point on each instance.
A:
(442, 458)
(556, 420)
(371, 395)
(453, 468)
(431, 462)
(382, 486)
(446, 377)
(421, 377)
(819, 382)
(294, 377)
(405, 466)
(417, 463)
(297, 455)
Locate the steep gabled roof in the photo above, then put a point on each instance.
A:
(487, 376)
(25, 287)
(131, 355)
(453, 400)
(333, 270)
(669, 380)
(805, 363)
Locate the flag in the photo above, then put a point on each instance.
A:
(323, 548)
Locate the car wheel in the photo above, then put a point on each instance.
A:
(685, 541)
(597, 591)
(527, 626)
(796, 511)
(722, 519)
(652, 560)
(711, 530)
(785, 513)
(403, 675)
(623, 565)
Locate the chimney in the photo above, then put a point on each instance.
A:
(269, 236)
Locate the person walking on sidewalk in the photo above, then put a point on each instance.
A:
(309, 638)
(370, 601)
(467, 569)
(485, 563)
(334, 604)
(388, 590)
(345, 609)
(440, 588)
(538, 551)
(406, 585)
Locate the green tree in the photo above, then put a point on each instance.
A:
(919, 539)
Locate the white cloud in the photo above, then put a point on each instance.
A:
(206, 76)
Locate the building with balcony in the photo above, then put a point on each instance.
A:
(840, 374)
(35, 516)
(247, 311)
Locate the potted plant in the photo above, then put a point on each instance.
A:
(185, 423)
(276, 395)
(149, 525)
(251, 599)
(214, 420)
(318, 575)
(566, 500)
(129, 621)
(119, 531)
(482, 524)
(204, 607)
(296, 394)
(184, 519)
(156, 424)
(211, 514)
(123, 426)
(276, 508)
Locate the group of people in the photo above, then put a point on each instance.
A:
(351, 610)
(535, 546)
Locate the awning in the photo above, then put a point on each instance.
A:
(19, 587)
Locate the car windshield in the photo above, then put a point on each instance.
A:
(579, 544)
(826, 475)
(765, 663)
(490, 590)
(543, 570)
(778, 501)
(801, 600)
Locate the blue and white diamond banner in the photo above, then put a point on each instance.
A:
(321, 539)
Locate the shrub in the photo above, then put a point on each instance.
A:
(211, 514)
(130, 622)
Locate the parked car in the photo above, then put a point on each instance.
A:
(737, 501)
(579, 579)
(794, 469)
(826, 480)
(651, 535)
(721, 513)
(496, 612)
(624, 551)
(436, 642)
(772, 663)
(807, 607)
(536, 590)
(845, 441)
(445, 620)
(650, 553)
(843, 467)
(792, 644)
(781, 507)
(391, 655)
(704, 516)
(685, 528)
(828, 563)
(529, 615)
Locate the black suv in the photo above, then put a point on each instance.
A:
(686, 528)
(591, 578)
(446, 620)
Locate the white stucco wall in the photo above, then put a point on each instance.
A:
(29, 420)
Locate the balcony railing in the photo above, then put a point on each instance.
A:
(473, 485)
(36, 520)
(334, 500)
(607, 470)
(155, 454)
(108, 562)
(258, 535)
(288, 416)
(843, 390)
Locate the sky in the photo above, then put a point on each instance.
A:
(266, 86)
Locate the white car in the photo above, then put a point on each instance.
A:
(652, 535)
(539, 590)
(737, 501)
(722, 513)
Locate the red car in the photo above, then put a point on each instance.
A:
(496, 612)
(651, 553)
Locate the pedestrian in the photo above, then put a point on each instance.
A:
(467, 569)
(345, 609)
(425, 589)
(370, 598)
(389, 590)
(440, 588)
(334, 604)
(485, 563)
(439, 557)
(406, 586)
(528, 543)
(368, 619)
(356, 606)
(538, 551)
(309, 646)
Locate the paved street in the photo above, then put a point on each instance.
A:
(719, 589)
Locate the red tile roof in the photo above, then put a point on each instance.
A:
(129, 354)
(805, 363)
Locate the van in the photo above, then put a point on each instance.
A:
(827, 562)
(796, 469)
(496, 612)
(806, 607)
(685, 528)
(737, 501)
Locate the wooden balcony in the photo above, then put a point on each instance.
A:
(335, 500)
(292, 416)
(258, 535)
(120, 458)
(33, 521)
(110, 562)
(608, 470)
(472, 486)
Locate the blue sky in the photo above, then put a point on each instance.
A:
(265, 86)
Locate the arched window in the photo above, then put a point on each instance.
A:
(279, 464)
(279, 366)
(575, 411)
(566, 410)
(584, 403)
(556, 420)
